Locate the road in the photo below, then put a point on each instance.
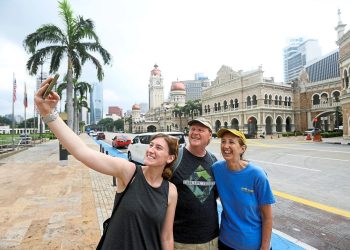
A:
(311, 183)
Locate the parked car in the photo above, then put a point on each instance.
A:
(137, 148)
(93, 133)
(120, 141)
(100, 136)
(312, 131)
(25, 139)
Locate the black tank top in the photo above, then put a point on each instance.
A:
(137, 222)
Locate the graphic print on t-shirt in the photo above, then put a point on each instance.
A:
(200, 183)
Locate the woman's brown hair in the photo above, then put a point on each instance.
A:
(173, 145)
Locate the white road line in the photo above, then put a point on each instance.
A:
(285, 165)
(333, 159)
(293, 240)
(295, 147)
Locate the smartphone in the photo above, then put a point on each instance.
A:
(52, 83)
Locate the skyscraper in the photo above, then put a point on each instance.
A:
(96, 103)
(297, 54)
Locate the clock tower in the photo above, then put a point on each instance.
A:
(155, 89)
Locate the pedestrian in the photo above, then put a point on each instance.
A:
(144, 218)
(196, 220)
(245, 194)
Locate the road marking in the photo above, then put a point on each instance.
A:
(286, 165)
(320, 206)
(293, 240)
(333, 159)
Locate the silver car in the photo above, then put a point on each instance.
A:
(137, 148)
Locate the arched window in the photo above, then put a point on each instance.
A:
(215, 107)
(346, 79)
(231, 104)
(270, 99)
(254, 101)
(249, 102)
(225, 105)
(236, 103)
(265, 99)
(276, 100)
(316, 99)
(285, 101)
(336, 96)
(280, 101)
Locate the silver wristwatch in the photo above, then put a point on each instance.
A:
(50, 117)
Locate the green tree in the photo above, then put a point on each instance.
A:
(119, 125)
(30, 123)
(5, 121)
(179, 112)
(105, 124)
(76, 42)
(80, 90)
(192, 108)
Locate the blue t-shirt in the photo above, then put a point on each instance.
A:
(241, 193)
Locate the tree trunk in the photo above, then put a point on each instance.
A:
(69, 97)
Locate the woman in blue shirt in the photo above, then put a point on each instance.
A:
(245, 194)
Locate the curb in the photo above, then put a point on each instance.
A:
(339, 143)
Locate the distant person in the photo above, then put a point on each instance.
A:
(245, 194)
(196, 219)
(144, 219)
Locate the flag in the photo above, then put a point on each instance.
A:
(25, 100)
(14, 88)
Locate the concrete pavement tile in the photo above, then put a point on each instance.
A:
(44, 205)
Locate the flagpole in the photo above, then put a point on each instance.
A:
(25, 102)
(13, 111)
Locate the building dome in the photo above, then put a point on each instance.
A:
(155, 71)
(135, 107)
(178, 86)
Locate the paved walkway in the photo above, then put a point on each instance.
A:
(48, 204)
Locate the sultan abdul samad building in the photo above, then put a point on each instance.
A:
(255, 104)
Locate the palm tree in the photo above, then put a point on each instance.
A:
(179, 111)
(80, 90)
(75, 42)
(193, 107)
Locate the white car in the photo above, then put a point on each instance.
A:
(137, 148)
(93, 133)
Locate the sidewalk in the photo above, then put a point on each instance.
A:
(45, 204)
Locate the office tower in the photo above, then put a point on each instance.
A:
(297, 54)
(96, 103)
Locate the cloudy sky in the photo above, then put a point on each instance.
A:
(183, 37)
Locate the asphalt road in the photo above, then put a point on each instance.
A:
(311, 183)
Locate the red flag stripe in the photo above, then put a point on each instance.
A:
(25, 100)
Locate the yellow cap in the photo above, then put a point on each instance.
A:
(235, 132)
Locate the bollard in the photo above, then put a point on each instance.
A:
(114, 183)
(100, 147)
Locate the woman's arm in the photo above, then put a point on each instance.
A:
(266, 215)
(167, 236)
(118, 167)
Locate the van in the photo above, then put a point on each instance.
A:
(137, 148)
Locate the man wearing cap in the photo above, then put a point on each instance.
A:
(245, 194)
(196, 219)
